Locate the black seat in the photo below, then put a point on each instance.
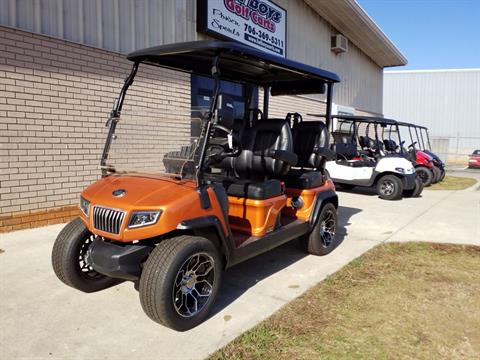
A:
(267, 152)
(390, 145)
(309, 137)
(259, 190)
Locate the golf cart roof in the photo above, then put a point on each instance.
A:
(402, 123)
(362, 119)
(239, 63)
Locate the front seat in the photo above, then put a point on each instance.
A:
(267, 154)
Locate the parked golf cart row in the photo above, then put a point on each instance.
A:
(371, 153)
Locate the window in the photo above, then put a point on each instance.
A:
(201, 97)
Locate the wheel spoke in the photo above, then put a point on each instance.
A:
(193, 284)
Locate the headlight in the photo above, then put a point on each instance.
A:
(143, 218)
(400, 170)
(84, 206)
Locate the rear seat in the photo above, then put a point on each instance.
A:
(308, 136)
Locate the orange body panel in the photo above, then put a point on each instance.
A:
(177, 199)
(255, 217)
(308, 197)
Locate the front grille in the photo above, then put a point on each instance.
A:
(108, 220)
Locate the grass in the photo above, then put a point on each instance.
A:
(397, 301)
(453, 183)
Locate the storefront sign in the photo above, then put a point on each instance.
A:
(259, 23)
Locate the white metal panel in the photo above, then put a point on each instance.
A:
(446, 101)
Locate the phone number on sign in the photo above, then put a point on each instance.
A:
(263, 35)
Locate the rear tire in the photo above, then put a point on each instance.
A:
(442, 176)
(322, 240)
(437, 174)
(69, 259)
(416, 191)
(180, 281)
(390, 187)
(425, 174)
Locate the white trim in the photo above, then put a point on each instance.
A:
(430, 71)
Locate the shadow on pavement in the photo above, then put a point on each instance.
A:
(371, 191)
(240, 278)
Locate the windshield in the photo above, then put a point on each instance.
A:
(154, 135)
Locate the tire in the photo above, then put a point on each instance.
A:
(390, 187)
(442, 175)
(322, 240)
(425, 174)
(69, 262)
(161, 279)
(437, 174)
(416, 191)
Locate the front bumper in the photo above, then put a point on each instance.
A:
(117, 261)
(409, 181)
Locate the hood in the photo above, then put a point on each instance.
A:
(137, 191)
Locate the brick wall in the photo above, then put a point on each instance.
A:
(55, 97)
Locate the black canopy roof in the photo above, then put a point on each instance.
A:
(401, 123)
(362, 119)
(238, 63)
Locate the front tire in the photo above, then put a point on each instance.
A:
(425, 174)
(322, 240)
(390, 187)
(69, 259)
(180, 281)
(416, 191)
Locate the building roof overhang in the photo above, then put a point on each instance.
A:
(348, 17)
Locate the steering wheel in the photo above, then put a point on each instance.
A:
(232, 147)
(412, 145)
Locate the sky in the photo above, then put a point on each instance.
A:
(432, 34)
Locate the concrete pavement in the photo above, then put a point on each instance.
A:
(41, 318)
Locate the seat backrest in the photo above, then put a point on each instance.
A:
(309, 136)
(390, 145)
(363, 142)
(265, 136)
(346, 150)
(344, 145)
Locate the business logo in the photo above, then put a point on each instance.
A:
(119, 192)
(259, 12)
(261, 24)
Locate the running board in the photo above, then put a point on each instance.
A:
(257, 245)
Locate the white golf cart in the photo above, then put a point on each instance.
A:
(362, 160)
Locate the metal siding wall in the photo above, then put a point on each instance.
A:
(447, 102)
(115, 25)
(126, 25)
(362, 79)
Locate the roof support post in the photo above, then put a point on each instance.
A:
(266, 101)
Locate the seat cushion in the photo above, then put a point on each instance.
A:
(257, 190)
(303, 180)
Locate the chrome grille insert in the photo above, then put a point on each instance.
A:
(107, 219)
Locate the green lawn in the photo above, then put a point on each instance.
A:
(453, 183)
(397, 301)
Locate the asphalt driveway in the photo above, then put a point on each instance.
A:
(41, 318)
